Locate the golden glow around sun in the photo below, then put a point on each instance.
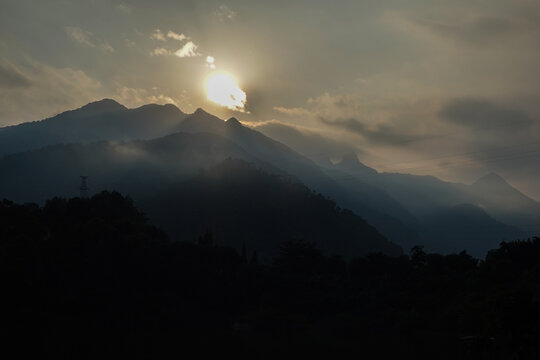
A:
(222, 89)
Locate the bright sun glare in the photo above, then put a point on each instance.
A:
(222, 89)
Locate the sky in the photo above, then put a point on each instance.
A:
(439, 87)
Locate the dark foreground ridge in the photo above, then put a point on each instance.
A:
(89, 278)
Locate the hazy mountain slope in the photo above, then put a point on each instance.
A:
(372, 196)
(315, 146)
(240, 204)
(259, 146)
(414, 193)
(506, 203)
(137, 168)
(100, 120)
(476, 230)
(420, 195)
(349, 163)
(493, 189)
(407, 197)
(423, 195)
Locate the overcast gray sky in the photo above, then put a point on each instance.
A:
(449, 88)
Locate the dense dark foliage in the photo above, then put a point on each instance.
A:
(88, 278)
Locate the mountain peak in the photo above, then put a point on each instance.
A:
(349, 162)
(233, 122)
(350, 159)
(101, 106)
(168, 106)
(200, 111)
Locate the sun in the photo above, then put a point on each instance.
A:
(222, 89)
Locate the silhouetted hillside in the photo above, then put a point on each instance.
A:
(241, 205)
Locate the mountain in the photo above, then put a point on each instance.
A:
(506, 203)
(100, 120)
(243, 205)
(350, 163)
(492, 189)
(476, 230)
(258, 145)
(409, 198)
(140, 167)
(445, 214)
(107, 120)
(379, 209)
(423, 195)
(306, 171)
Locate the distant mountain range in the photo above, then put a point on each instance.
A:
(422, 195)
(147, 150)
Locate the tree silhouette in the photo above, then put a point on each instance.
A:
(90, 278)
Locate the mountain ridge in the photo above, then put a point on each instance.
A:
(393, 202)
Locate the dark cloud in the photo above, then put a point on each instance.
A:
(382, 134)
(485, 115)
(10, 77)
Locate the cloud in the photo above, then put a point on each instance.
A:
(52, 90)
(224, 12)
(382, 134)
(80, 36)
(124, 8)
(129, 43)
(159, 52)
(188, 50)
(10, 77)
(297, 111)
(485, 115)
(180, 37)
(210, 62)
(106, 47)
(158, 35)
(87, 38)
